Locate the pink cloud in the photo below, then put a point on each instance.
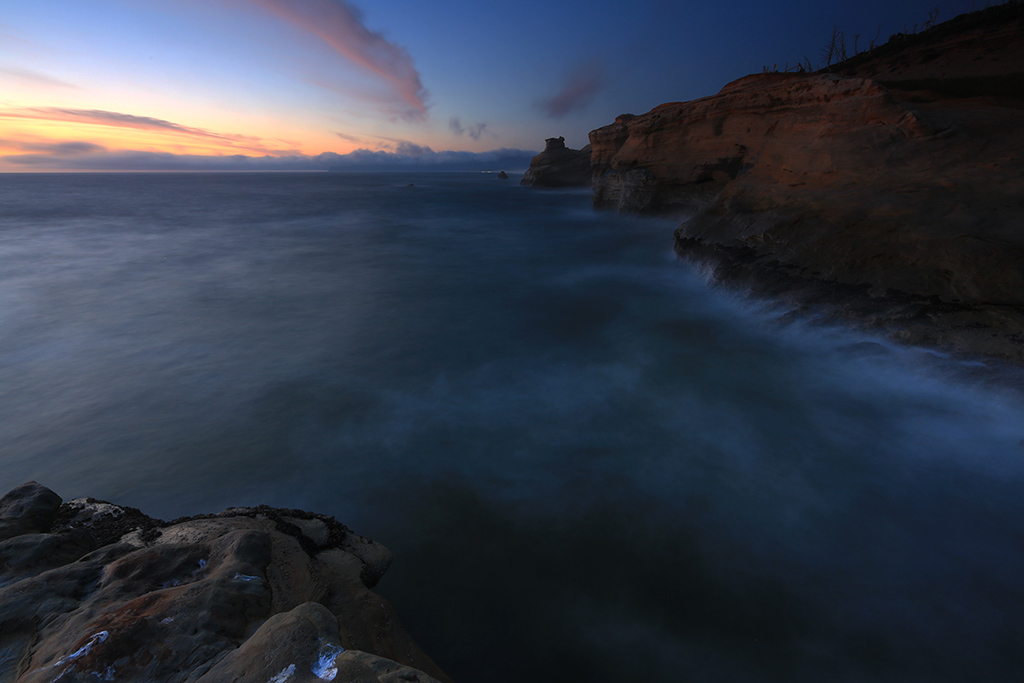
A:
(115, 119)
(578, 91)
(340, 25)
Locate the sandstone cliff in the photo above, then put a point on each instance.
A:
(899, 178)
(93, 591)
(559, 166)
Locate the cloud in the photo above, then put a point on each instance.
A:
(577, 92)
(35, 78)
(413, 150)
(474, 131)
(350, 138)
(340, 25)
(115, 119)
(61, 148)
(105, 118)
(73, 148)
(135, 160)
(407, 157)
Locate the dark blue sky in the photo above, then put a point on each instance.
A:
(102, 82)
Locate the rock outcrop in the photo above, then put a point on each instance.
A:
(93, 591)
(907, 186)
(559, 166)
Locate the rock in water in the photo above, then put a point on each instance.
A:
(90, 590)
(559, 166)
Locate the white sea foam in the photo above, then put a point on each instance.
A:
(323, 668)
(84, 650)
(285, 675)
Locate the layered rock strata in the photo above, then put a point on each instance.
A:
(92, 591)
(559, 166)
(912, 195)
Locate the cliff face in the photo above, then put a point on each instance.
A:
(782, 127)
(559, 166)
(839, 179)
(95, 591)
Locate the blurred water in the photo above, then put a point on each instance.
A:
(590, 465)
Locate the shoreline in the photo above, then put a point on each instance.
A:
(950, 330)
(881, 188)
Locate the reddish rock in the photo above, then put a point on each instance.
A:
(839, 179)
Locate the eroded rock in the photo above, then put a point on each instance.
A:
(246, 594)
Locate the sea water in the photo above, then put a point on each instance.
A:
(590, 463)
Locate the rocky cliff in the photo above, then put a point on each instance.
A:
(91, 591)
(559, 166)
(897, 182)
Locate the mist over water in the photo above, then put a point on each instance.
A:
(590, 464)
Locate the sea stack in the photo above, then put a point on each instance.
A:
(559, 166)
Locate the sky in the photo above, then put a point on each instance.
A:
(374, 84)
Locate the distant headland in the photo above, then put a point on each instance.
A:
(887, 188)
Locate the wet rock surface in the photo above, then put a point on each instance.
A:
(899, 177)
(92, 591)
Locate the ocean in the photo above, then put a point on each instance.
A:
(591, 463)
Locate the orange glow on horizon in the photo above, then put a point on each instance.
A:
(43, 131)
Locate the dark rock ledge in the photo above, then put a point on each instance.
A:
(93, 591)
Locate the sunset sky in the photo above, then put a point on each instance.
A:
(294, 84)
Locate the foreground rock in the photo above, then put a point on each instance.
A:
(93, 591)
(559, 166)
(899, 192)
